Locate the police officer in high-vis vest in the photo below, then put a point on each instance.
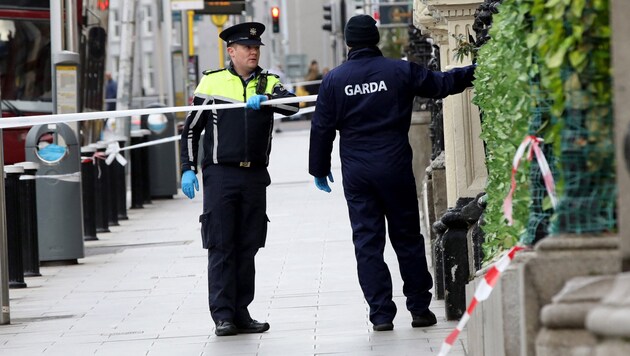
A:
(236, 145)
(369, 100)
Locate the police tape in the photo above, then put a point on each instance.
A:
(112, 152)
(492, 276)
(482, 293)
(20, 121)
(533, 143)
(68, 177)
(151, 98)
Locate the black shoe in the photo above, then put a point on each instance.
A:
(383, 327)
(425, 319)
(253, 327)
(225, 328)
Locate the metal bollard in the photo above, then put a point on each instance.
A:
(146, 173)
(28, 219)
(88, 188)
(122, 185)
(113, 193)
(14, 240)
(137, 190)
(455, 260)
(101, 191)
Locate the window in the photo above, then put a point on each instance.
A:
(25, 60)
(114, 23)
(147, 20)
(148, 80)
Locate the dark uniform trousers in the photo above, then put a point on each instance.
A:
(233, 228)
(373, 198)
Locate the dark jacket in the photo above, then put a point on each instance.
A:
(369, 100)
(238, 136)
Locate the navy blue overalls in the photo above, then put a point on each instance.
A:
(369, 100)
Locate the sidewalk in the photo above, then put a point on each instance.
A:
(141, 289)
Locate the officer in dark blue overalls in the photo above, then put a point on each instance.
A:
(369, 100)
(237, 144)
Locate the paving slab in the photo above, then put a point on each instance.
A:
(142, 288)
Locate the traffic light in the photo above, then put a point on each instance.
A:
(327, 26)
(275, 19)
(102, 5)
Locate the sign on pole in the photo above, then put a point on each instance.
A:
(178, 5)
(67, 84)
(232, 7)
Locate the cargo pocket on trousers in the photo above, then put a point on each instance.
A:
(206, 230)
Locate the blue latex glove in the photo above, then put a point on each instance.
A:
(254, 101)
(322, 184)
(189, 184)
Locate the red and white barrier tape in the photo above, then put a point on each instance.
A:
(481, 293)
(533, 143)
(492, 276)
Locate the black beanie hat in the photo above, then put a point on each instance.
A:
(361, 31)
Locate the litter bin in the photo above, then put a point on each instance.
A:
(59, 209)
(162, 157)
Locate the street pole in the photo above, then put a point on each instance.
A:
(5, 317)
(219, 21)
(284, 26)
(167, 27)
(65, 59)
(125, 65)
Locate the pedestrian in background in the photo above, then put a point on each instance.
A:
(313, 75)
(237, 143)
(369, 100)
(111, 90)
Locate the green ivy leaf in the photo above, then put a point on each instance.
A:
(577, 7)
(532, 40)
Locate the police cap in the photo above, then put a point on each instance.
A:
(246, 33)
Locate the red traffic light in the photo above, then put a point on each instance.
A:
(275, 19)
(103, 5)
(275, 12)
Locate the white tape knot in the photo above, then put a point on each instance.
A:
(113, 152)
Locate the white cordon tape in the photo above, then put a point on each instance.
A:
(113, 148)
(98, 115)
(68, 177)
(534, 149)
(482, 293)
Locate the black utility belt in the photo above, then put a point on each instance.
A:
(243, 164)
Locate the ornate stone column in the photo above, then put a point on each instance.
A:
(465, 158)
(610, 320)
